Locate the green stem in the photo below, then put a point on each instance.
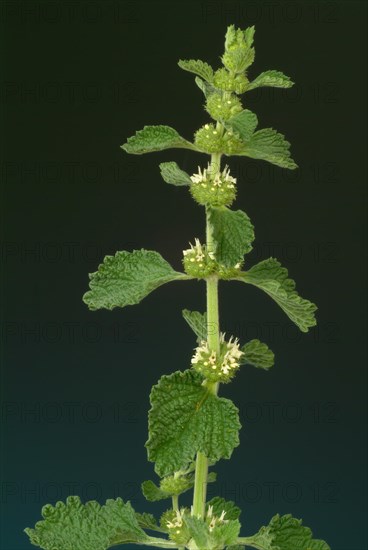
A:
(175, 502)
(150, 541)
(160, 543)
(213, 338)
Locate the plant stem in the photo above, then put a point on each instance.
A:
(175, 502)
(150, 541)
(213, 338)
(159, 543)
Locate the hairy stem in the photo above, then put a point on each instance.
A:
(213, 338)
(150, 541)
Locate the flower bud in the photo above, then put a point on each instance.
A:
(222, 109)
(208, 139)
(239, 53)
(230, 83)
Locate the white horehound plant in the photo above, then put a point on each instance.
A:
(190, 426)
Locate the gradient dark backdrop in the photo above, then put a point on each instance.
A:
(81, 77)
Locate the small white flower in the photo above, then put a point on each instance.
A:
(221, 518)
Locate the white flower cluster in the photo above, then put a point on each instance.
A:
(199, 254)
(227, 362)
(177, 522)
(217, 180)
(232, 355)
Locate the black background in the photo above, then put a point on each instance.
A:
(78, 79)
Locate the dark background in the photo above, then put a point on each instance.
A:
(78, 79)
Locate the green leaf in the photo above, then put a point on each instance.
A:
(235, 547)
(148, 521)
(198, 67)
(249, 35)
(257, 354)
(77, 526)
(197, 322)
(186, 418)
(126, 278)
(284, 533)
(219, 504)
(276, 79)
(269, 145)
(152, 493)
(206, 88)
(289, 533)
(156, 138)
(261, 540)
(172, 174)
(211, 478)
(272, 278)
(244, 123)
(198, 531)
(225, 534)
(233, 233)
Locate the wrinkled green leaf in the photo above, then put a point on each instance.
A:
(148, 521)
(269, 145)
(261, 540)
(172, 174)
(198, 67)
(225, 534)
(289, 533)
(272, 278)
(233, 233)
(244, 123)
(257, 354)
(152, 493)
(126, 278)
(249, 35)
(275, 79)
(284, 533)
(198, 531)
(77, 526)
(155, 138)
(197, 322)
(186, 418)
